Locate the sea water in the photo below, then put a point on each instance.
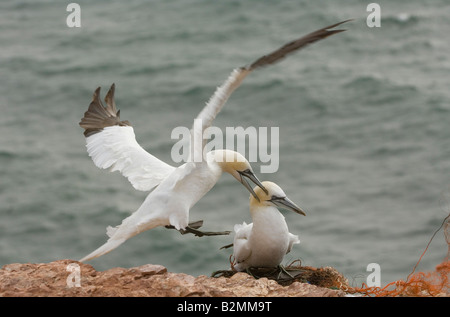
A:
(363, 121)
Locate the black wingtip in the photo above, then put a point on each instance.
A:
(296, 45)
(109, 99)
(98, 116)
(96, 93)
(337, 24)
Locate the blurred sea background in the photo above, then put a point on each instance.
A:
(363, 118)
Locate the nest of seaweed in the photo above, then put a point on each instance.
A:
(327, 277)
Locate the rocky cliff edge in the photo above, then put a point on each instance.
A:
(68, 278)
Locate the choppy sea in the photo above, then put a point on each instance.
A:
(363, 118)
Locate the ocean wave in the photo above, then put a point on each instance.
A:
(147, 70)
(377, 89)
(367, 108)
(14, 156)
(7, 155)
(402, 19)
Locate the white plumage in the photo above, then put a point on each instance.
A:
(112, 145)
(116, 149)
(265, 241)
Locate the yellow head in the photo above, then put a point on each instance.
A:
(237, 165)
(273, 196)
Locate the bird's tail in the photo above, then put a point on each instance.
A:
(129, 227)
(110, 245)
(117, 236)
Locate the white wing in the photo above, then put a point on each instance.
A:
(222, 93)
(241, 247)
(210, 111)
(293, 239)
(112, 145)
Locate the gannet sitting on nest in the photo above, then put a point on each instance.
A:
(265, 241)
(112, 145)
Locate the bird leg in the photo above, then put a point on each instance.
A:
(200, 233)
(283, 270)
(192, 227)
(226, 246)
(249, 272)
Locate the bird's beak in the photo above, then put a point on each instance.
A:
(251, 176)
(286, 203)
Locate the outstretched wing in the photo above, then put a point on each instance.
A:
(223, 92)
(112, 145)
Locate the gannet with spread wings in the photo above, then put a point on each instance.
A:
(112, 145)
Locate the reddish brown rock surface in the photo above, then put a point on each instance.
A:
(55, 279)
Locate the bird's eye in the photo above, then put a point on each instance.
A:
(276, 197)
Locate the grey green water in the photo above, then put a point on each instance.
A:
(363, 120)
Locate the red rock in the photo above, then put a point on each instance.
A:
(55, 280)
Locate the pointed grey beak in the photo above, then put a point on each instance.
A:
(249, 174)
(286, 203)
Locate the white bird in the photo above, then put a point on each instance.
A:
(265, 241)
(112, 145)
